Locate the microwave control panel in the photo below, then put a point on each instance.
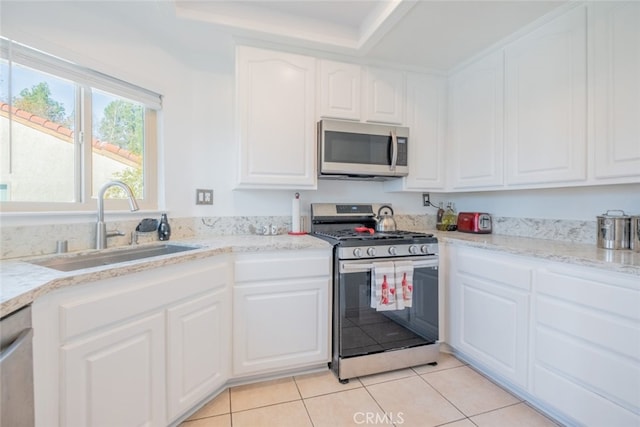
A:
(402, 151)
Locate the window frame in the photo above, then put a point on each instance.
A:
(84, 80)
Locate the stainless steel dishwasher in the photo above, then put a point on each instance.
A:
(16, 370)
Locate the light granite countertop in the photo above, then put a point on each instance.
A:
(587, 255)
(23, 282)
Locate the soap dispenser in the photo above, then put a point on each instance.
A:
(164, 229)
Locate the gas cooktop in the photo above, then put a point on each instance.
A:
(366, 233)
(353, 226)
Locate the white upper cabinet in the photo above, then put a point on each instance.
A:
(339, 90)
(545, 95)
(276, 119)
(615, 89)
(384, 96)
(426, 109)
(476, 116)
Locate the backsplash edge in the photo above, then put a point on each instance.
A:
(23, 241)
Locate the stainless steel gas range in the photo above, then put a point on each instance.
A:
(385, 292)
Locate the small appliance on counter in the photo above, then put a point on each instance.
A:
(474, 222)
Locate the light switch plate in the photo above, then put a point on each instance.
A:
(204, 197)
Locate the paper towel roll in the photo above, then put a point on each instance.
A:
(295, 214)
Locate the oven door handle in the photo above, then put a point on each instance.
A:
(352, 267)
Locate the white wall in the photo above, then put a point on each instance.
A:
(198, 146)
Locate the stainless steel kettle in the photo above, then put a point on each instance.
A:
(385, 222)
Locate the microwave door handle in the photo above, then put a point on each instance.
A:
(394, 150)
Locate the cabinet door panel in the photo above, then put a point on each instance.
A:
(576, 357)
(339, 89)
(198, 349)
(276, 115)
(494, 327)
(476, 124)
(615, 41)
(384, 96)
(546, 102)
(280, 325)
(571, 399)
(117, 378)
(490, 313)
(426, 110)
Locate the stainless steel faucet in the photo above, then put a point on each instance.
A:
(101, 227)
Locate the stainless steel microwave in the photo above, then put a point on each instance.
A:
(362, 150)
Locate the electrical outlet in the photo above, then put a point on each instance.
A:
(204, 197)
(425, 199)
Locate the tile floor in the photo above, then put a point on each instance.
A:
(450, 394)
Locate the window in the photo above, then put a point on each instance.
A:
(65, 131)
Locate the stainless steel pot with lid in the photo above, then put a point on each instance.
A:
(614, 230)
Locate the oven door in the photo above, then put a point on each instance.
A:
(363, 330)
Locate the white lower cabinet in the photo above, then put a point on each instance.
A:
(146, 348)
(136, 350)
(198, 344)
(490, 311)
(115, 378)
(586, 345)
(281, 311)
(567, 338)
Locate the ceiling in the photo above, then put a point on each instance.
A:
(429, 34)
(422, 34)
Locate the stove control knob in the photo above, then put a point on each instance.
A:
(357, 252)
(413, 249)
(392, 250)
(424, 249)
(371, 251)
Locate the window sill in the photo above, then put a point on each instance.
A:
(15, 219)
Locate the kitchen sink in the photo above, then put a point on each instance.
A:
(78, 262)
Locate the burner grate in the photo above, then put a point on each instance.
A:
(350, 234)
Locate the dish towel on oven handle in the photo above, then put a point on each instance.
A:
(404, 283)
(383, 288)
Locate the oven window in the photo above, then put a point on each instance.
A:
(363, 330)
(344, 147)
